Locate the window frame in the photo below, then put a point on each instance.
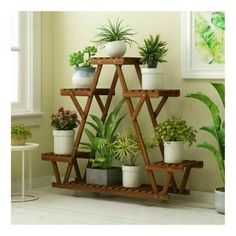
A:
(28, 109)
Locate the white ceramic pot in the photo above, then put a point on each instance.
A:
(116, 48)
(63, 141)
(220, 200)
(173, 152)
(131, 176)
(151, 78)
(83, 77)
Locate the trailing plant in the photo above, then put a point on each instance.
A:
(114, 31)
(126, 148)
(175, 129)
(217, 129)
(101, 141)
(82, 58)
(153, 51)
(20, 131)
(64, 119)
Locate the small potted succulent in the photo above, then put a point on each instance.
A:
(114, 36)
(101, 139)
(84, 71)
(217, 130)
(63, 123)
(19, 134)
(152, 52)
(126, 148)
(174, 132)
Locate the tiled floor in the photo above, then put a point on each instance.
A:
(59, 206)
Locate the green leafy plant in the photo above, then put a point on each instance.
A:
(20, 132)
(82, 58)
(64, 119)
(126, 148)
(175, 129)
(217, 130)
(114, 31)
(101, 142)
(153, 51)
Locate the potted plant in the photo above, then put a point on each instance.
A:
(19, 134)
(152, 53)
(114, 37)
(84, 71)
(217, 130)
(126, 148)
(100, 143)
(174, 132)
(63, 123)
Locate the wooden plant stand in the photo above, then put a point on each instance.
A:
(148, 191)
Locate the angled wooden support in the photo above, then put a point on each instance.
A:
(139, 106)
(160, 106)
(56, 172)
(77, 105)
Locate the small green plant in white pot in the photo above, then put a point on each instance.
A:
(113, 37)
(127, 149)
(84, 71)
(152, 52)
(174, 132)
(64, 122)
(19, 134)
(217, 130)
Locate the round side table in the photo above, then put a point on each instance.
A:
(23, 197)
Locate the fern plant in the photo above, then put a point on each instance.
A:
(217, 130)
(153, 51)
(101, 141)
(114, 31)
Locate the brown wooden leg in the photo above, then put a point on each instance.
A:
(56, 172)
(166, 184)
(185, 179)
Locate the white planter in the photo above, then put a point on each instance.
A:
(151, 79)
(220, 201)
(63, 141)
(83, 77)
(131, 176)
(173, 152)
(116, 48)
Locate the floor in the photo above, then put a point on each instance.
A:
(61, 206)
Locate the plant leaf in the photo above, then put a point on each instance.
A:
(220, 88)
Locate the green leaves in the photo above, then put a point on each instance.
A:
(114, 32)
(78, 58)
(218, 127)
(153, 51)
(218, 19)
(20, 131)
(102, 140)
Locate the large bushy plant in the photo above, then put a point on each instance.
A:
(217, 129)
(114, 31)
(153, 51)
(175, 129)
(102, 137)
(20, 132)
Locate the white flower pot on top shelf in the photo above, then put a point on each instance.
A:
(151, 78)
(116, 48)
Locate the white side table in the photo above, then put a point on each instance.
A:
(28, 147)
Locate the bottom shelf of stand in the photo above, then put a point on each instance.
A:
(144, 191)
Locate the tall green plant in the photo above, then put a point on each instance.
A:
(101, 141)
(218, 127)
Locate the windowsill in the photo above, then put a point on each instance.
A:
(27, 118)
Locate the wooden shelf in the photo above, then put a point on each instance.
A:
(85, 92)
(152, 93)
(115, 60)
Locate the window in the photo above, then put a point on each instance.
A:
(26, 62)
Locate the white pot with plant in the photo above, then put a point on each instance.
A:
(19, 134)
(174, 132)
(113, 37)
(217, 130)
(151, 54)
(63, 123)
(84, 71)
(126, 148)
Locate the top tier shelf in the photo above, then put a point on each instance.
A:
(115, 60)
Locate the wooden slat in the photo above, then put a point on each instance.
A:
(115, 60)
(152, 93)
(53, 157)
(85, 92)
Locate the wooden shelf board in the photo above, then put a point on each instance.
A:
(152, 93)
(85, 92)
(115, 60)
